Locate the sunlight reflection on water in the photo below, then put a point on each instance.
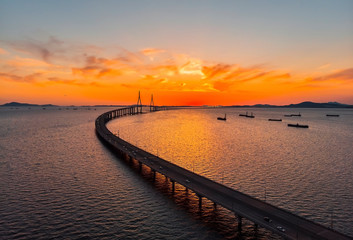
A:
(307, 171)
(58, 181)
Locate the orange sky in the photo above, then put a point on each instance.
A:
(30, 74)
(185, 53)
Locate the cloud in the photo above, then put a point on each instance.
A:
(130, 58)
(344, 75)
(246, 75)
(41, 80)
(149, 68)
(168, 70)
(73, 82)
(31, 78)
(46, 50)
(98, 67)
(193, 67)
(222, 85)
(151, 51)
(216, 70)
(26, 62)
(3, 51)
(100, 61)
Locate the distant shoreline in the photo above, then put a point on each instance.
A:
(306, 104)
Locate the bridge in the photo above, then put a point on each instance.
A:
(277, 220)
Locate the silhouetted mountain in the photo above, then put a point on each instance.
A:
(17, 104)
(306, 104)
(319, 105)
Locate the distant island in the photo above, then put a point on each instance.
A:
(17, 104)
(306, 104)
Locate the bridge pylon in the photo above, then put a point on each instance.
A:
(152, 108)
(139, 104)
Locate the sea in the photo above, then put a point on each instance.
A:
(58, 181)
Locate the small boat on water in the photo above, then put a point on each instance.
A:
(298, 125)
(275, 119)
(332, 115)
(247, 115)
(293, 115)
(296, 115)
(250, 116)
(223, 119)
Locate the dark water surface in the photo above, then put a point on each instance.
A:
(58, 181)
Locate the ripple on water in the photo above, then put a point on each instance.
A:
(58, 181)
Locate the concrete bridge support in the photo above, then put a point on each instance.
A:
(173, 186)
(200, 201)
(239, 222)
(154, 175)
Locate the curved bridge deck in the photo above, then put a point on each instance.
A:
(241, 204)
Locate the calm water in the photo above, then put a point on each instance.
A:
(58, 181)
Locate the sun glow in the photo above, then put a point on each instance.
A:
(178, 79)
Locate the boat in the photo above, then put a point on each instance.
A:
(250, 116)
(223, 119)
(297, 125)
(293, 115)
(275, 119)
(296, 115)
(247, 115)
(332, 115)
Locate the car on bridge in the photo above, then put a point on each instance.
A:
(281, 229)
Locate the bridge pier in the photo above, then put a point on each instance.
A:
(200, 201)
(239, 222)
(215, 205)
(154, 175)
(173, 186)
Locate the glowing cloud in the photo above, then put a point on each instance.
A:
(27, 62)
(55, 64)
(151, 51)
(342, 75)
